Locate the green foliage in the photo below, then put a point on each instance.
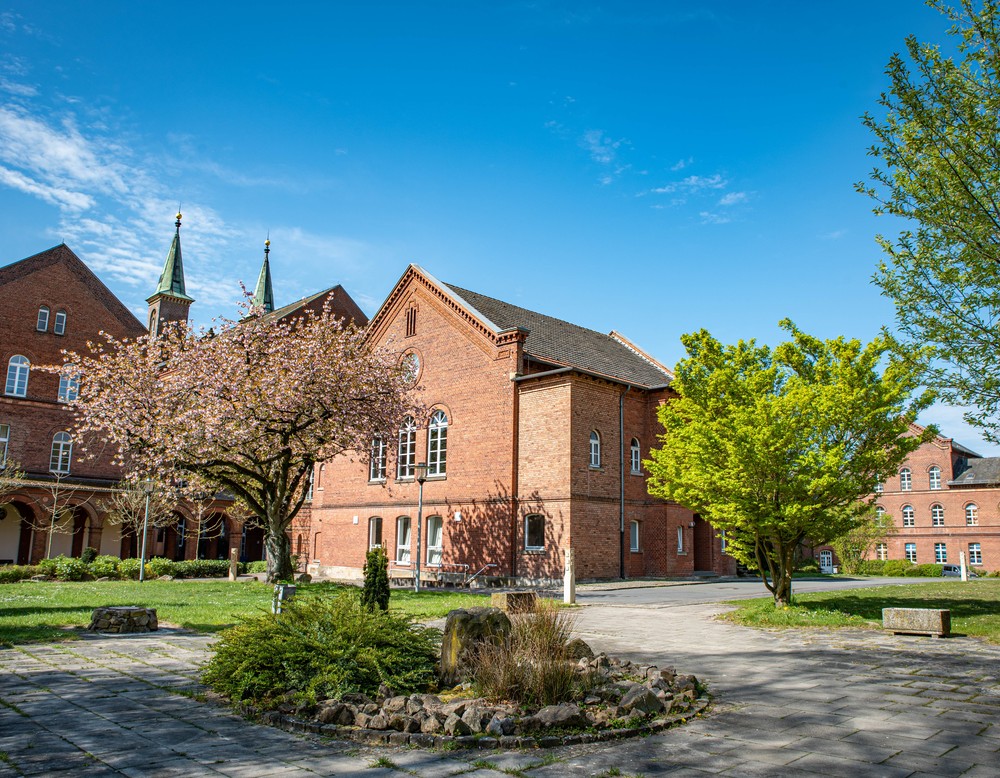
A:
(201, 568)
(47, 567)
(892, 568)
(318, 649)
(773, 446)
(260, 566)
(129, 568)
(105, 566)
(12, 573)
(71, 568)
(938, 151)
(88, 555)
(375, 593)
(924, 571)
(158, 566)
(807, 566)
(860, 540)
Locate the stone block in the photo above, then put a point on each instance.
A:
(515, 602)
(917, 621)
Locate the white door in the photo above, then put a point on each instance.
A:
(826, 562)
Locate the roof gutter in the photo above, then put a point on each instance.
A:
(591, 374)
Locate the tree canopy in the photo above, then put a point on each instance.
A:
(776, 446)
(938, 152)
(247, 408)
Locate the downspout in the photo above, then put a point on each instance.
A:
(514, 469)
(621, 481)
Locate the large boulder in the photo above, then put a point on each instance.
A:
(464, 631)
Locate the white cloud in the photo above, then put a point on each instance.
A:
(682, 163)
(733, 198)
(705, 182)
(835, 235)
(20, 90)
(707, 217)
(601, 148)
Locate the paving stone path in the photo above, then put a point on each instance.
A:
(846, 703)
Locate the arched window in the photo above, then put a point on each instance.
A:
(406, 455)
(69, 387)
(59, 325)
(934, 477)
(635, 456)
(937, 516)
(403, 539)
(374, 531)
(905, 480)
(4, 442)
(376, 467)
(435, 540)
(152, 322)
(971, 515)
(879, 511)
(319, 477)
(633, 535)
(43, 319)
(595, 448)
(62, 453)
(437, 444)
(907, 515)
(17, 376)
(680, 540)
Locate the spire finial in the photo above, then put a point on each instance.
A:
(178, 222)
(267, 244)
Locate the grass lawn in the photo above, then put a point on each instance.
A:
(974, 606)
(48, 611)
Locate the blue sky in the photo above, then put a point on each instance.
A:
(652, 168)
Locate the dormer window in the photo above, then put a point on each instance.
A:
(59, 325)
(42, 325)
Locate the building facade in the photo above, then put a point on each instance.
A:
(529, 442)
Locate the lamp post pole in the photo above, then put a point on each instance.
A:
(421, 477)
(147, 488)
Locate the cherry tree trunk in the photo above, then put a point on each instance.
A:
(279, 556)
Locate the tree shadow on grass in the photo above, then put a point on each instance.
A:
(871, 607)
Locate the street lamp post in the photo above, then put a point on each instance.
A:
(147, 488)
(421, 477)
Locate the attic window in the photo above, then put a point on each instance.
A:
(411, 321)
(59, 327)
(42, 324)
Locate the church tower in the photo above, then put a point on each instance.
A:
(263, 295)
(170, 303)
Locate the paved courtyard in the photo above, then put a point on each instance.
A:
(787, 703)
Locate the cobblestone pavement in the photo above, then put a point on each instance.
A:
(845, 703)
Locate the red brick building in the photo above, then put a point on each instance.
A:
(532, 437)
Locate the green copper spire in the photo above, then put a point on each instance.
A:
(172, 278)
(263, 295)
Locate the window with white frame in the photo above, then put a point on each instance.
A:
(406, 453)
(881, 551)
(908, 515)
(376, 465)
(910, 552)
(940, 553)
(534, 532)
(42, 323)
(69, 387)
(309, 485)
(62, 453)
(437, 444)
(435, 539)
(937, 516)
(934, 477)
(722, 541)
(633, 535)
(975, 554)
(905, 480)
(403, 539)
(971, 515)
(17, 376)
(680, 540)
(595, 449)
(319, 477)
(879, 488)
(59, 325)
(879, 511)
(374, 531)
(635, 456)
(4, 442)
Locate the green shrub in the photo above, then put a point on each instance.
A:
(88, 555)
(924, 571)
(105, 566)
(897, 567)
(47, 567)
(201, 568)
(375, 592)
(15, 573)
(872, 567)
(158, 566)
(71, 568)
(807, 566)
(129, 568)
(318, 649)
(259, 566)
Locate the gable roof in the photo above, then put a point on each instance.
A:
(341, 303)
(984, 471)
(62, 254)
(561, 343)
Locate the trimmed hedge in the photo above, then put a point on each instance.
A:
(15, 573)
(898, 568)
(105, 566)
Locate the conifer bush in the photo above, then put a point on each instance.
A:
(375, 593)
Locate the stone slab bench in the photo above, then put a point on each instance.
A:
(917, 621)
(123, 619)
(515, 602)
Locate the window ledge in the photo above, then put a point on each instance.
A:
(405, 479)
(682, 553)
(533, 551)
(442, 477)
(635, 550)
(372, 481)
(636, 472)
(598, 468)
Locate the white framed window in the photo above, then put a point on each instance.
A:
(374, 531)
(971, 515)
(879, 511)
(4, 442)
(680, 540)
(910, 552)
(319, 477)
(42, 323)
(940, 553)
(534, 532)
(975, 554)
(934, 477)
(406, 453)
(908, 515)
(59, 325)
(309, 485)
(881, 551)
(376, 465)
(633, 535)
(635, 457)
(403, 539)
(722, 541)
(69, 387)
(937, 516)
(905, 480)
(17, 376)
(437, 444)
(879, 487)
(435, 540)
(62, 453)
(595, 448)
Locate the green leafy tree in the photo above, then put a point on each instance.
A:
(375, 592)
(938, 152)
(857, 544)
(776, 446)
